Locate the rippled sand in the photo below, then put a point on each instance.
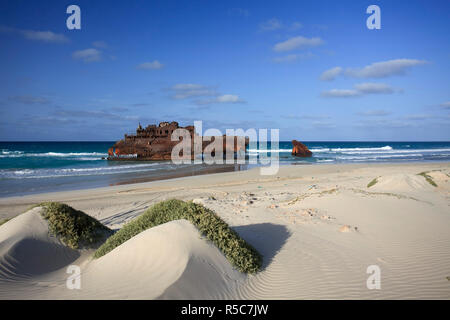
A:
(318, 227)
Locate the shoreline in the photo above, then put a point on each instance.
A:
(124, 179)
(34, 168)
(192, 172)
(24, 201)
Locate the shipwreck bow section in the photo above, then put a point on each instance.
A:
(155, 143)
(300, 150)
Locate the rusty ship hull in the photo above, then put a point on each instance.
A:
(154, 143)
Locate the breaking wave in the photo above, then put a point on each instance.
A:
(385, 148)
(67, 172)
(17, 154)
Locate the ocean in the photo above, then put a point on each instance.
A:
(35, 167)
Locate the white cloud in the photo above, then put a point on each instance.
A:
(43, 36)
(188, 90)
(374, 113)
(26, 99)
(88, 55)
(93, 114)
(359, 90)
(100, 44)
(323, 124)
(445, 105)
(226, 98)
(373, 88)
(270, 25)
(331, 74)
(293, 57)
(418, 117)
(340, 93)
(385, 68)
(193, 93)
(46, 36)
(299, 42)
(276, 24)
(187, 86)
(205, 94)
(295, 26)
(229, 98)
(383, 124)
(306, 116)
(154, 65)
(381, 69)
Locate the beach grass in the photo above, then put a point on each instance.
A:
(75, 228)
(428, 178)
(240, 254)
(306, 195)
(3, 221)
(372, 183)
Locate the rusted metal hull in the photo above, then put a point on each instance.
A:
(154, 144)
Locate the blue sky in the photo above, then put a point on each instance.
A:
(309, 68)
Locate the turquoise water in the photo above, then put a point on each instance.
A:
(33, 167)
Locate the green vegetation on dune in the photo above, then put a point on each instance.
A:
(3, 221)
(428, 178)
(240, 254)
(75, 228)
(372, 183)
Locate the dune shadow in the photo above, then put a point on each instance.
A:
(31, 257)
(267, 238)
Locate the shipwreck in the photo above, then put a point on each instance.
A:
(154, 142)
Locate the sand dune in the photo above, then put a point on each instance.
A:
(169, 261)
(27, 249)
(401, 182)
(439, 176)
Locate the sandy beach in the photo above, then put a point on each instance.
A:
(318, 228)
